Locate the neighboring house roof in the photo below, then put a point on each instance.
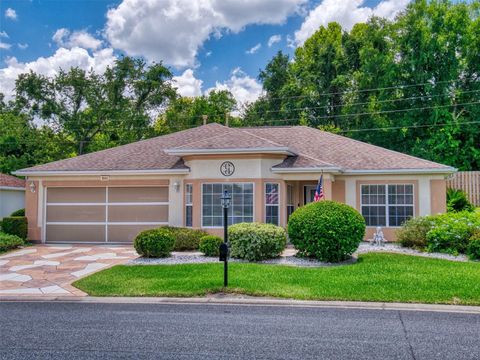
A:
(8, 181)
(307, 149)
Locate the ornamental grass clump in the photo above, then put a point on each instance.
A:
(154, 243)
(255, 241)
(326, 230)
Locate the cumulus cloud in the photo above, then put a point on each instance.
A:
(243, 88)
(174, 30)
(254, 49)
(64, 38)
(187, 84)
(4, 34)
(22, 46)
(347, 13)
(50, 66)
(5, 46)
(11, 14)
(274, 39)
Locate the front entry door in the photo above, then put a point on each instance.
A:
(309, 193)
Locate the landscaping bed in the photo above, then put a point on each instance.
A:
(375, 277)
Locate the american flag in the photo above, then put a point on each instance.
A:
(319, 191)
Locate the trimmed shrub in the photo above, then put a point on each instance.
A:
(186, 238)
(154, 243)
(452, 231)
(8, 242)
(210, 245)
(255, 241)
(457, 200)
(413, 233)
(473, 248)
(19, 212)
(15, 225)
(326, 230)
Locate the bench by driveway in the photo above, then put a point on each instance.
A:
(49, 270)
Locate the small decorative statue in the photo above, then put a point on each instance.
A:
(378, 238)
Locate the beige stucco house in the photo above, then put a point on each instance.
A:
(177, 179)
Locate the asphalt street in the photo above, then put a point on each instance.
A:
(60, 330)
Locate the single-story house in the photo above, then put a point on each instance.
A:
(12, 194)
(177, 180)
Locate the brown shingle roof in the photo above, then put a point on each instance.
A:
(313, 149)
(11, 181)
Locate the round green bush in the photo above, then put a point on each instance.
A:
(8, 242)
(326, 230)
(255, 241)
(154, 243)
(210, 245)
(473, 248)
(413, 233)
(186, 238)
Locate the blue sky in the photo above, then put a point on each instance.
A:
(209, 44)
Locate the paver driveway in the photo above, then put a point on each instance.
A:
(50, 270)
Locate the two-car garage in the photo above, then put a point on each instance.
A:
(108, 214)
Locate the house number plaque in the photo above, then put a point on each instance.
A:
(227, 168)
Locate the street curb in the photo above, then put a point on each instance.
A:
(249, 301)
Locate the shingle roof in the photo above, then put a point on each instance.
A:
(312, 148)
(11, 181)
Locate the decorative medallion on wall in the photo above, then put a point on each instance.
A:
(227, 168)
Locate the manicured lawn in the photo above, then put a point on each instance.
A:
(375, 277)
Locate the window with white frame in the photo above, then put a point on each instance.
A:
(387, 204)
(272, 201)
(241, 207)
(290, 202)
(188, 205)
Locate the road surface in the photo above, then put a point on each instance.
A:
(60, 330)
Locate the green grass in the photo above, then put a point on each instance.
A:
(375, 277)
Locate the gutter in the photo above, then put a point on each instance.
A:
(12, 188)
(336, 170)
(265, 150)
(99, 172)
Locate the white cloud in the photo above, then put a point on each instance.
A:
(4, 34)
(174, 30)
(11, 14)
(243, 88)
(64, 38)
(347, 13)
(208, 54)
(22, 46)
(274, 39)
(62, 59)
(187, 84)
(254, 49)
(4, 46)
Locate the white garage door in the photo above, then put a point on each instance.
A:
(103, 214)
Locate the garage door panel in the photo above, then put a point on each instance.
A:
(126, 233)
(76, 233)
(138, 213)
(137, 194)
(75, 213)
(76, 195)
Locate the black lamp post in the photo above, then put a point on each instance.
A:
(224, 251)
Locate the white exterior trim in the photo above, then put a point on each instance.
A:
(106, 223)
(100, 172)
(265, 150)
(448, 170)
(336, 170)
(12, 188)
(110, 203)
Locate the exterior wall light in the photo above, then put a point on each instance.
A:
(32, 187)
(176, 186)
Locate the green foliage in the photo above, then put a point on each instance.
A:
(19, 212)
(186, 238)
(210, 245)
(256, 241)
(15, 225)
(326, 230)
(154, 243)
(452, 232)
(473, 248)
(413, 233)
(457, 200)
(8, 242)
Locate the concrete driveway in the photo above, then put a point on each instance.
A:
(47, 270)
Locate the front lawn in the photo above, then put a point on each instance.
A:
(375, 277)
